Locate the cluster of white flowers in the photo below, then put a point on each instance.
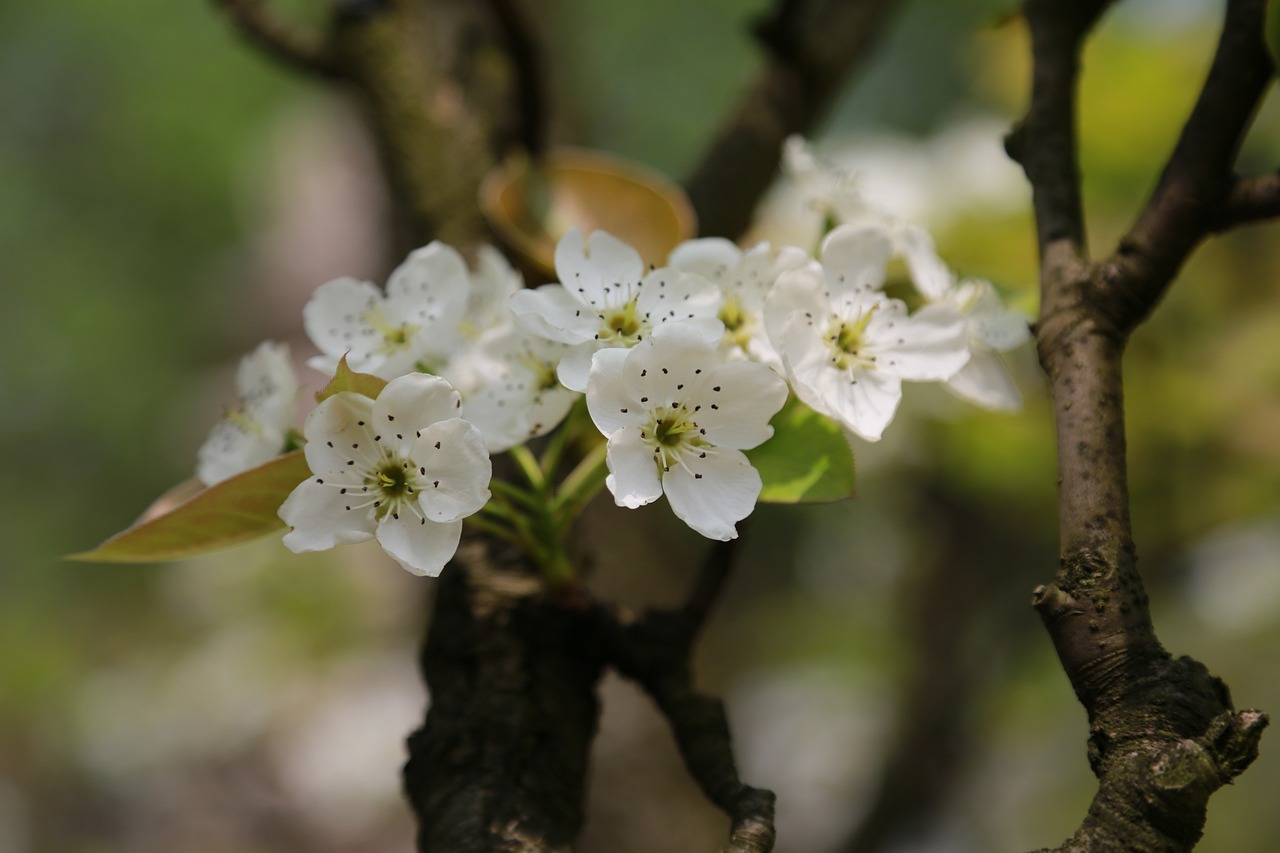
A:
(682, 368)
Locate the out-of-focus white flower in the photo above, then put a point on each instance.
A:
(403, 468)
(605, 299)
(744, 279)
(257, 428)
(992, 327)
(510, 390)
(678, 418)
(846, 346)
(826, 188)
(415, 324)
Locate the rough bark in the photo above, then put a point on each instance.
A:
(1163, 732)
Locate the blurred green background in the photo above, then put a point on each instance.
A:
(168, 199)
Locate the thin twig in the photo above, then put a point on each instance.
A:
(812, 47)
(1250, 200)
(1198, 177)
(655, 651)
(715, 570)
(301, 49)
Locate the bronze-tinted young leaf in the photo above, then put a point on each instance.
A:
(808, 460)
(235, 510)
(346, 379)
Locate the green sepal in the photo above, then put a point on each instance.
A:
(808, 460)
(188, 521)
(346, 379)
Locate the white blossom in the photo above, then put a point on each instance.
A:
(414, 324)
(744, 279)
(677, 419)
(510, 390)
(257, 428)
(827, 188)
(846, 346)
(992, 327)
(605, 299)
(402, 468)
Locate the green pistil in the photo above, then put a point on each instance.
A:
(735, 322)
(394, 338)
(544, 375)
(622, 324)
(670, 430)
(846, 338)
(394, 483)
(242, 420)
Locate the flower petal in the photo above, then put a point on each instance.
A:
(453, 469)
(610, 401)
(669, 294)
(493, 283)
(710, 257)
(574, 370)
(588, 268)
(429, 288)
(669, 368)
(737, 402)
(408, 405)
(334, 320)
(318, 515)
(797, 293)
(990, 321)
(338, 434)
(931, 344)
(554, 313)
(863, 400)
(633, 473)
(985, 381)
(855, 257)
(235, 445)
(420, 546)
(928, 271)
(713, 492)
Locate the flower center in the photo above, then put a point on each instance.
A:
(671, 433)
(544, 374)
(394, 338)
(395, 483)
(622, 325)
(846, 339)
(737, 322)
(241, 419)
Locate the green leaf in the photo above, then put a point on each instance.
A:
(1271, 31)
(808, 460)
(346, 379)
(188, 521)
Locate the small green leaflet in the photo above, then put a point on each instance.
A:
(808, 460)
(346, 379)
(182, 524)
(1271, 31)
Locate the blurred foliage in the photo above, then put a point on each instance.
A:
(143, 708)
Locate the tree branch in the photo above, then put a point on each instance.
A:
(813, 46)
(301, 49)
(1044, 142)
(655, 652)
(500, 763)
(1197, 181)
(530, 77)
(1250, 200)
(1163, 733)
